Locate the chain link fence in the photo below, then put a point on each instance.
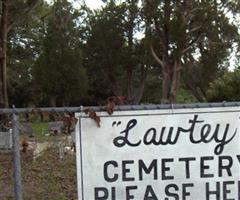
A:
(37, 154)
(37, 150)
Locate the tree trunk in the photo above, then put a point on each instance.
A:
(195, 90)
(137, 93)
(3, 55)
(134, 95)
(165, 86)
(53, 101)
(116, 90)
(129, 68)
(129, 85)
(171, 74)
(175, 81)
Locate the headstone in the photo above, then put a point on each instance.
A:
(56, 127)
(40, 148)
(5, 140)
(26, 128)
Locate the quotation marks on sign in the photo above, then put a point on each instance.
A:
(115, 123)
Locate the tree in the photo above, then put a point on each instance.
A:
(23, 49)
(117, 63)
(225, 88)
(59, 74)
(185, 34)
(12, 13)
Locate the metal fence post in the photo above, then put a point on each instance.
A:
(16, 159)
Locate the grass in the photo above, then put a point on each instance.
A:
(41, 133)
(39, 130)
(47, 178)
(43, 179)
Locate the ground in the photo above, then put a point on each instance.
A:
(46, 178)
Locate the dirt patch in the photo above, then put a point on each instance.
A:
(48, 177)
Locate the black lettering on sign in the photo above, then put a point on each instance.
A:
(100, 193)
(238, 190)
(107, 178)
(165, 169)
(150, 194)
(186, 193)
(227, 167)
(238, 157)
(204, 167)
(214, 193)
(126, 170)
(121, 141)
(147, 170)
(170, 135)
(150, 137)
(129, 195)
(171, 193)
(113, 189)
(187, 165)
(222, 141)
(226, 191)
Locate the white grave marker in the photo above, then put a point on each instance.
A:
(185, 154)
(5, 140)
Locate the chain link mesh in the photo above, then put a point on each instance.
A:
(47, 150)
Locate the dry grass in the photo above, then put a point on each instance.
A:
(43, 179)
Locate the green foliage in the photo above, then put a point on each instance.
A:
(220, 34)
(197, 34)
(215, 50)
(59, 72)
(23, 49)
(113, 57)
(64, 56)
(104, 48)
(152, 92)
(225, 88)
(185, 96)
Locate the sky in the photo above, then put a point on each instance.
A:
(94, 4)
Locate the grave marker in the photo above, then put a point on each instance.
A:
(5, 140)
(26, 128)
(56, 127)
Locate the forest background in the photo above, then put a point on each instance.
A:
(149, 51)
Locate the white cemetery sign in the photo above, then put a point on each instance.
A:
(180, 154)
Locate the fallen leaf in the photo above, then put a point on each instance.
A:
(110, 107)
(93, 115)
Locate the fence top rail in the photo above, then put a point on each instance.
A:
(117, 108)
